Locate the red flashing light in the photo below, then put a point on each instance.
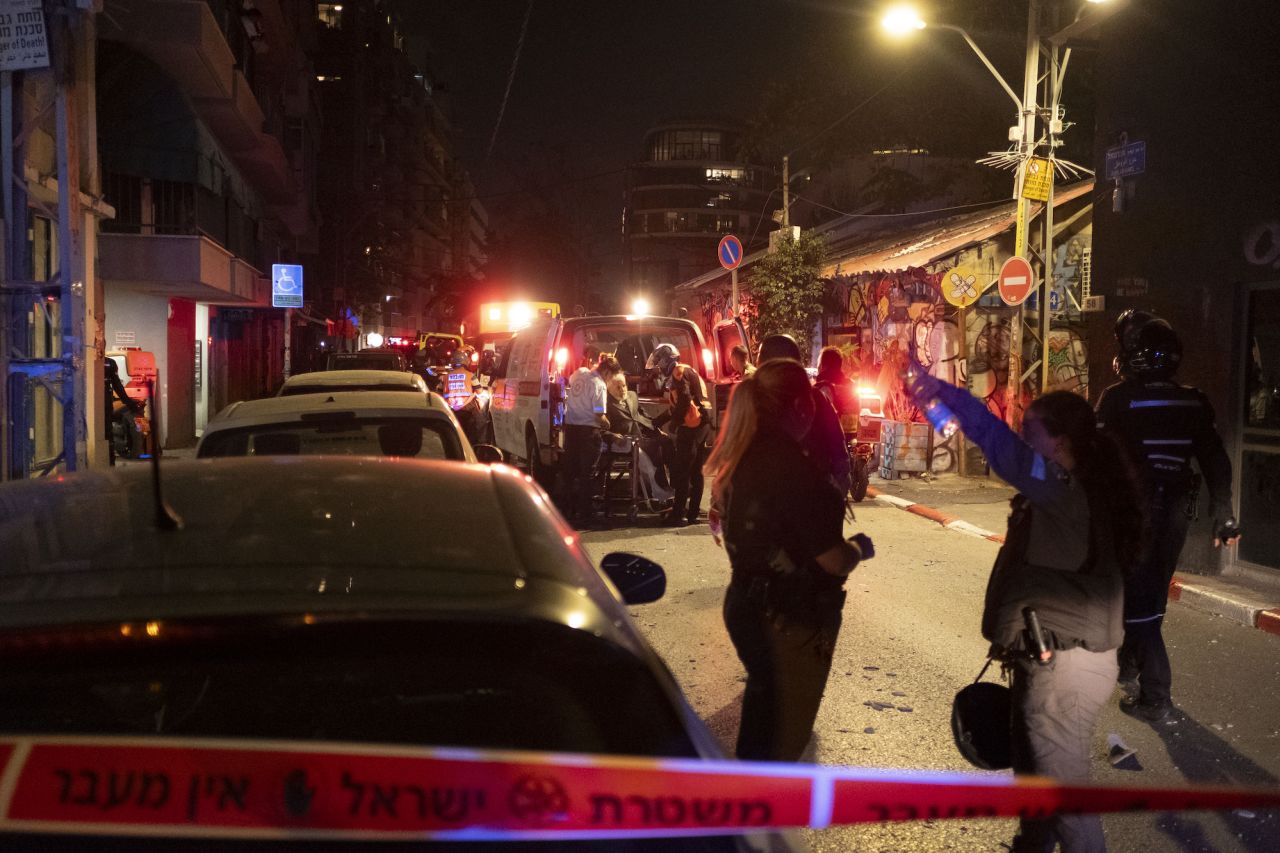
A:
(562, 358)
(708, 360)
(475, 358)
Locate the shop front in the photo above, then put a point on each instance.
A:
(1258, 460)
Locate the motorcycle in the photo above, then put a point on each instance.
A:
(862, 434)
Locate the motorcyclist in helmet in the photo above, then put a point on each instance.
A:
(690, 416)
(1164, 425)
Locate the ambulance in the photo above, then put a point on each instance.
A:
(528, 391)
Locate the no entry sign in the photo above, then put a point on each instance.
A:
(1016, 281)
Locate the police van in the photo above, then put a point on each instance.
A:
(532, 377)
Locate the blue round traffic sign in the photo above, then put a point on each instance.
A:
(729, 252)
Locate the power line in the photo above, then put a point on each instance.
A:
(911, 213)
(849, 114)
(511, 76)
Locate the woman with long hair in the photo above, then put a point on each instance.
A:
(783, 528)
(1076, 523)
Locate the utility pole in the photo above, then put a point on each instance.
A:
(1026, 145)
(65, 29)
(786, 193)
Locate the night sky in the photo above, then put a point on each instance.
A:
(593, 76)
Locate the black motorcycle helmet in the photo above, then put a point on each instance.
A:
(779, 346)
(1149, 348)
(980, 720)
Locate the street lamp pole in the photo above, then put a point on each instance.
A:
(1026, 144)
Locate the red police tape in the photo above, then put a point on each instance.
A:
(252, 789)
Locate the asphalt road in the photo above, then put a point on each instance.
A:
(910, 640)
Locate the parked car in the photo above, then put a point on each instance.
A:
(327, 600)
(383, 358)
(529, 386)
(328, 381)
(369, 423)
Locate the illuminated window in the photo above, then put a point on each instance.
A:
(724, 174)
(330, 14)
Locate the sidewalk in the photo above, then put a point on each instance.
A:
(979, 506)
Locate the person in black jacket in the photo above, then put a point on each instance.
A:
(1076, 523)
(1164, 425)
(825, 442)
(784, 533)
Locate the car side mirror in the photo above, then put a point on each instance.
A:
(487, 453)
(639, 580)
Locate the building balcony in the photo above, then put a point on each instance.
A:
(181, 266)
(183, 38)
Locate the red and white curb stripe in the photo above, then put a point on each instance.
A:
(948, 521)
(1238, 609)
(1188, 591)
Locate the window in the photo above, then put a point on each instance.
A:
(330, 14)
(721, 175)
(330, 436)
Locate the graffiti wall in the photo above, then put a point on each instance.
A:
(906, 312)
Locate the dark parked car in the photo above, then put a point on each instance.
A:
(327, 599)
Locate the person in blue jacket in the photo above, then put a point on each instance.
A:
(1076, 523)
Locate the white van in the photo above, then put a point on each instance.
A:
(529, 385)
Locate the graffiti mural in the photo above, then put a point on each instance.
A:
(717, 305)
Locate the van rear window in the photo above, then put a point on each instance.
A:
(631, 342)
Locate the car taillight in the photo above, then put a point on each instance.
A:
(708, 361)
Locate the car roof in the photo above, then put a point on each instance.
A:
(293, 407)
(360, 536)
(358, 379)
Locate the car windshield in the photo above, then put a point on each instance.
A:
(364, 361)
(313, 388)
(485, 682)
(333, 435)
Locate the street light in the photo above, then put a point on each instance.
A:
(902, 20)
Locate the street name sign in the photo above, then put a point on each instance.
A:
(1123, 161)
(1015, 281)
(23, 41)
(729, 252)
(286, 285)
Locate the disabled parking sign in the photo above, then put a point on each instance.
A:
(286, 285)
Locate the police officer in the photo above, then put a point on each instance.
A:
(691, 424)
(1164, 425)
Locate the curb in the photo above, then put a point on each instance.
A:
(950, 522)
(1184, 589)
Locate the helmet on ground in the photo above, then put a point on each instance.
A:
(779, 346)
(1149, 348)
(980, 719)
(663, 358)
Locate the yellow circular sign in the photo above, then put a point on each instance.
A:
(960, 286)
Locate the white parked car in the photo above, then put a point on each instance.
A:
(328, 381)
(343, 423)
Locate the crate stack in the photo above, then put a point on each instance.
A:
(905, 449)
